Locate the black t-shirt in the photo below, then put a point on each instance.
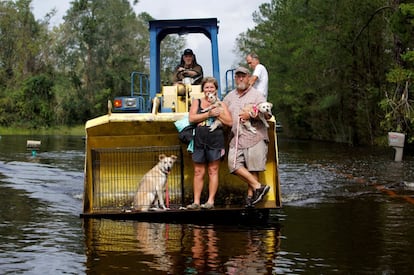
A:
(204, 138)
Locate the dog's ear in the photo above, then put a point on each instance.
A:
(271, 105)
(174, 157)
(162, 156)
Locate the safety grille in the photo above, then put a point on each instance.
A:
(117, 173)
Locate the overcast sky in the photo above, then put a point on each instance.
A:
(235, 17)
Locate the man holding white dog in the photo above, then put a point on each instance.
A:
(247, 154)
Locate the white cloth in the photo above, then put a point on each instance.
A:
(261, 83)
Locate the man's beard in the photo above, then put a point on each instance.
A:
(241, 86)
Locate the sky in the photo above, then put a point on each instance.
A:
(234, 16)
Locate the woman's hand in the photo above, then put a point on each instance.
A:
(214, 112)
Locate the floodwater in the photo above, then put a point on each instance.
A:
(346, 210)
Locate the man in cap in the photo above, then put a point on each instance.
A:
(188, 67)
(247, 151)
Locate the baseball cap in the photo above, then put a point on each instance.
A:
(188, 52)
(242, 70)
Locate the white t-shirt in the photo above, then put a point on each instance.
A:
(261, 83)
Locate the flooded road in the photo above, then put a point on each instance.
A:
(346, 210)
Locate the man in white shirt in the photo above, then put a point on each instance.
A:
(259, 78)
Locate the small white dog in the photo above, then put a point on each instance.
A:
(262, 110)
(214, 102)
(152, 185)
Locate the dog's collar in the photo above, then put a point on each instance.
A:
(255, 109)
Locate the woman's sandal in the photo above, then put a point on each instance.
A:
(193, 206)
(207, 206)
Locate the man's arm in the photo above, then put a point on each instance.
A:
(253, 80)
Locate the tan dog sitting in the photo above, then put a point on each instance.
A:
(214, 102)
(262, 110)
(152, 185)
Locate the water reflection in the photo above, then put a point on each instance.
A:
(179, 249)
(258, 255)
(205, 251)
(346, 210)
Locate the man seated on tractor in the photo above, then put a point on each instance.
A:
(188, 69)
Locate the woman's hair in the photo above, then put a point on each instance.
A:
(209, 79)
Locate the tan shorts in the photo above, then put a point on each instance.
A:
(253, 158)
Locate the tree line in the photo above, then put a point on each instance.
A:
(339, 70)
(64, 75)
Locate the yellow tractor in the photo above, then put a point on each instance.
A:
(124, 144)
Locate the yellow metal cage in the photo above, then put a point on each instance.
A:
(118, 171)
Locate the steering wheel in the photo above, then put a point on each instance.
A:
(181, 74)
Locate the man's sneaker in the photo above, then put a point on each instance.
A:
(259, 193)
(248, 202)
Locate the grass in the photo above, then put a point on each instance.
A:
(61, 130)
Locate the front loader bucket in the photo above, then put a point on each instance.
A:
(121, 148)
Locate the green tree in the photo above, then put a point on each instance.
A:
(23, 56)
(21, 42)
(100, 44)
(35, 102)
(327, 64)
(65, 75)
(398, 102)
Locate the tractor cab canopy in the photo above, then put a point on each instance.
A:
(159, 29)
